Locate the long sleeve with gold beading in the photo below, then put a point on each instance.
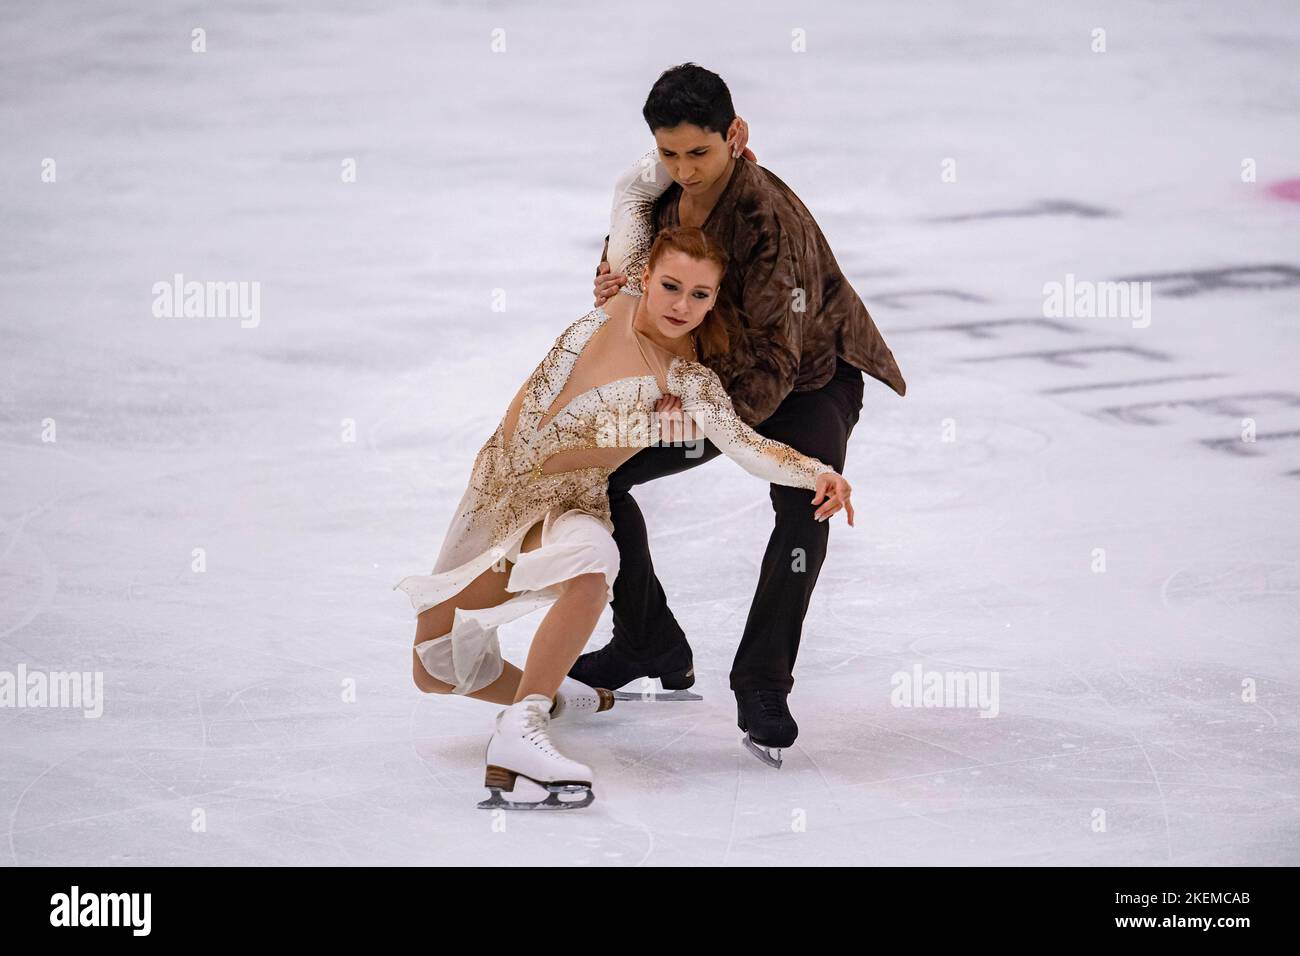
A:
(705, 399)
(631, 217)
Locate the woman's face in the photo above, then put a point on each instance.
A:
(680, 292)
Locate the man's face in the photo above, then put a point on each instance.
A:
(693, 156)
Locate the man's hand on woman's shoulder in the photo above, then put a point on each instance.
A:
(675, 426)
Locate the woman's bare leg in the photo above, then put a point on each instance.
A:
(562, 635)
(486, 590)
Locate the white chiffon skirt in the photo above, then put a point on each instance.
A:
(469, 655)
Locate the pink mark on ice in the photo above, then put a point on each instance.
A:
(1287, 189)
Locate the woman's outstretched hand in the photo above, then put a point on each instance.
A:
(836, 491)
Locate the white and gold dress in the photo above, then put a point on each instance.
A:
(555, 470)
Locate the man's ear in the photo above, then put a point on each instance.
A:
(733, 130)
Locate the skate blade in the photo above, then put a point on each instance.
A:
(769, 755)
(552, 802)
(656, 695)
(527, 795)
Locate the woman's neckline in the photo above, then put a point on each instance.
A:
(631, 324)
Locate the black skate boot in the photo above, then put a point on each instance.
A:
(767, 723)
(612, 667)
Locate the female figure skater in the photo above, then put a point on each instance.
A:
(533, 527)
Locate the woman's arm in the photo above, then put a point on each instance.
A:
(631, 217)
(705, 399)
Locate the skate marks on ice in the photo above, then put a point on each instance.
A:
(1141, 740)
(1216, 592)
(1184, 769)
(675, 787)
(1139, 745)
(1151, 367)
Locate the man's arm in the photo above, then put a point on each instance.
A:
(773, 329)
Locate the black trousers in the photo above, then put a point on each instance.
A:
(816, 423)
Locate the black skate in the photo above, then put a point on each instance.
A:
(612, 667)
(766, 721)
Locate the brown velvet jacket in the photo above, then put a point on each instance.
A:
(789, 342)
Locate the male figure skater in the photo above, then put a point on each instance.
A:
(795, 375)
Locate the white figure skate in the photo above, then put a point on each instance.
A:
(574, 698)
(523, 764)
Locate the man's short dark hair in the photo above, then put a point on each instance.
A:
(689, 94)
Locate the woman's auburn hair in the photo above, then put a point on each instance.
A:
(713, 336)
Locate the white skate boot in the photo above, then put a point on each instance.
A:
(575, 697)
(523, 763)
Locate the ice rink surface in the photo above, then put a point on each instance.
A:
(262, 711)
